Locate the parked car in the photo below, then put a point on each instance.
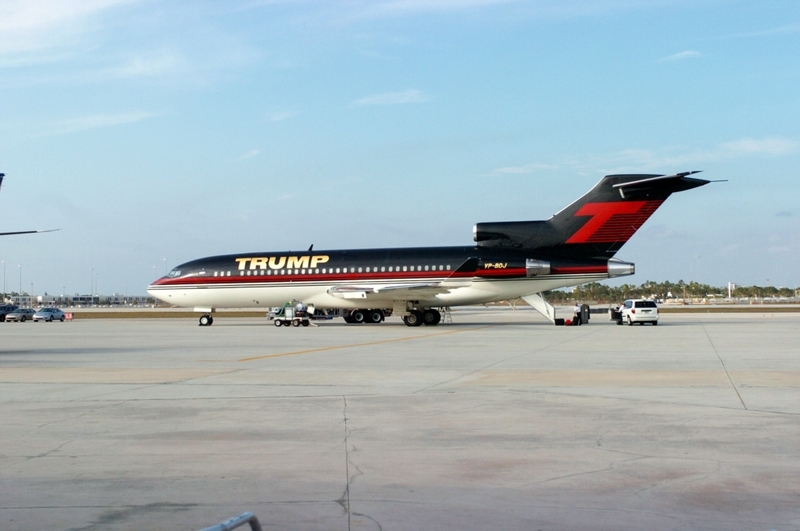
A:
(6, 309)
(20, 315)
(49, 315)
(640, 311)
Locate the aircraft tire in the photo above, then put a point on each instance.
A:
(431, 317)
(413, 319)
(206, 320)
(358, 316)
(374, 316)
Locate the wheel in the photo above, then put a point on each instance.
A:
(358, 316)
(630, 323)
(277, 323)
(348, 319)
(295, 322)
(50, 320)
(206, 320)
(431, 317)
(655, 323)
(305, 322)
(413, 319)
(62, 319)
(374, 316)
(23, 319)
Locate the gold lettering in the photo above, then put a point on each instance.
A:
(277, 262)
(242, 263)
(316, 260)
(259, 263)
(297, 262)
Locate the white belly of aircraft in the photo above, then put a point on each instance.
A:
(478, 291)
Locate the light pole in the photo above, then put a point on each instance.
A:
(20, 279)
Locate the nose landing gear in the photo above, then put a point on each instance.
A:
(206, 320)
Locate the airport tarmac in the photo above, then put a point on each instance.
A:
(496, 421)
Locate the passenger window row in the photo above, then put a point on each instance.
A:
(336, 270)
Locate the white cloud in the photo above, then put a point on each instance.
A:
(148, 66)
(96, 121)
(393, 98)
(524, 169)
(29, 27)
(688, 54)
(780, 30)
(281, 116)
(680, 157)
(250, 154)
(407, 7)
(662, 159)
(763, 146)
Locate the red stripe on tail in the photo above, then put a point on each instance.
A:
(613, 222)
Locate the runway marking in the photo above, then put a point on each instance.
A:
(356, 345)
(727, 374)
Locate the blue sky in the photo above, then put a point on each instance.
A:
(152, 133)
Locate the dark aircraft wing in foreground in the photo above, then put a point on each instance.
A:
(21, 231)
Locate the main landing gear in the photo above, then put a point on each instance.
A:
(206, 320)
(429, 317)
(364, 316)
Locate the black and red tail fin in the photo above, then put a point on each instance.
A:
(597, 224)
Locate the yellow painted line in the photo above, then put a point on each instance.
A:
(356, 345)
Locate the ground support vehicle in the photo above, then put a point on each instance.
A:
(639, 311)
(291, 315)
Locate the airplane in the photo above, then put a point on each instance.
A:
(23, 231)
(509, 260)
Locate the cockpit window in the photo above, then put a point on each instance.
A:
(174, 273)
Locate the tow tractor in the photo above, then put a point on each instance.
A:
(291, 314)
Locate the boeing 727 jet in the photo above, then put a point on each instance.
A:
(508, 260)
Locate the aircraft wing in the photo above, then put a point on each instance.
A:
(407, 290)
(21, 231)
(26, 232)
(396, 291)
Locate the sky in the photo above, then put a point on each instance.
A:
(156, 132)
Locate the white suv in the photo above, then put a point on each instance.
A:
(640, 311)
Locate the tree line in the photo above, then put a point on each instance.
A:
(594, 291)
